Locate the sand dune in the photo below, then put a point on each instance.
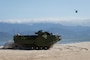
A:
(76, 51)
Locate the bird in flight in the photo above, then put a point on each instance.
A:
(76, 11)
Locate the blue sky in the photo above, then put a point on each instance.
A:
(30, 10)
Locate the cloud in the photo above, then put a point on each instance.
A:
(63, 21)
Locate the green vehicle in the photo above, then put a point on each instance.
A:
(41, 40)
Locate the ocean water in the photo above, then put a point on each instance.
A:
(68, 41)
(2, 43)
(63, 41)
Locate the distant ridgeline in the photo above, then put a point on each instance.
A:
(67, 32)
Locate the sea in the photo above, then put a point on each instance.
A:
(68, 41)
(63, 41)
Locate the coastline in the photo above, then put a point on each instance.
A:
(72, 51)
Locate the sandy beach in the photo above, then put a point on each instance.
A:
(74, 51)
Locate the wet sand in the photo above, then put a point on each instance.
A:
(75, 51)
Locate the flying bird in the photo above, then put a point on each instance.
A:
(76, 11)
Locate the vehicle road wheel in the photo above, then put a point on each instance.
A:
(37, 48)
(32, 48)
(45, 48)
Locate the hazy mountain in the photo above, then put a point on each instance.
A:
(64, 31)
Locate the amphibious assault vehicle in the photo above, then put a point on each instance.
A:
(41, 40)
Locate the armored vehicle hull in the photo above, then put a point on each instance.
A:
(41, 40)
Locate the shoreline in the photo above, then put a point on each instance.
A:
(73, 51)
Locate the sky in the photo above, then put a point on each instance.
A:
(53, 11)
